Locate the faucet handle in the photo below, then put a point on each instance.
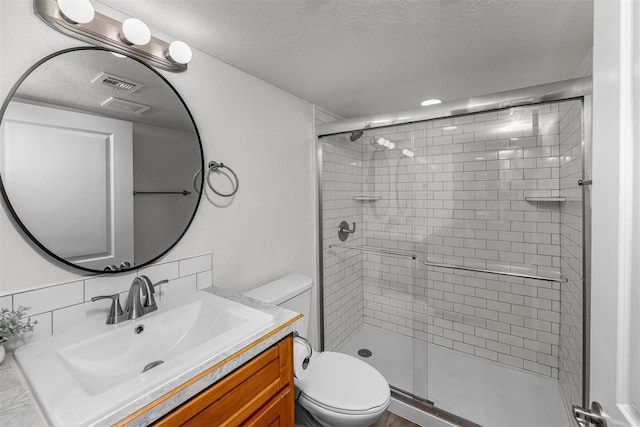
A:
(115, 311)
(150, 303)
(153, 285)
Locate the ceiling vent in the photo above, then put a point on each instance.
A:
(124, 106)
(118, 83)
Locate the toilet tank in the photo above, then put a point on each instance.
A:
(292, 292)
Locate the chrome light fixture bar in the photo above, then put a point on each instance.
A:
(74, 18)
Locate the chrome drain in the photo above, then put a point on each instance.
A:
(152, 365)
(364, 352)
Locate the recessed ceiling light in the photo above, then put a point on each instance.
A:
(430, 102)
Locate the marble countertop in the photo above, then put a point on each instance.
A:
(18, 407)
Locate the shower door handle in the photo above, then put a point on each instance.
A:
(586, 417)
(344, 231)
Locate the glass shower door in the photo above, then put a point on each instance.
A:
(368, 278)
(501, 226)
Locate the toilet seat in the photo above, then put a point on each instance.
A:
(343, 384)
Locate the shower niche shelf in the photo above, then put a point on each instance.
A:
(545, 199)
(367, 197)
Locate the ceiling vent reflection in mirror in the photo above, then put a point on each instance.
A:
(118, 83)
(79, 19)
(124, 106)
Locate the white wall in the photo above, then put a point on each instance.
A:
(264, 133)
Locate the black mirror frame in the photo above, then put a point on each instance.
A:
(17, 218)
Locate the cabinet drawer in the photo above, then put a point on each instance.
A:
(252, 387)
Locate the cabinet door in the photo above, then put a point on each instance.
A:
(275, 413)
(259, 392)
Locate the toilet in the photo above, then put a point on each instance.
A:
(335, 389)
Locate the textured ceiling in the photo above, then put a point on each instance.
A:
(67, 81)
(359, 57)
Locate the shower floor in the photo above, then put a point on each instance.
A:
(482, 391)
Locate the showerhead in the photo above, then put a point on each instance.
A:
(356, 135)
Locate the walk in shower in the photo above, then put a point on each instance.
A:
(463, 282)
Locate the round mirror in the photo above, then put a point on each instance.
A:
(100, 160)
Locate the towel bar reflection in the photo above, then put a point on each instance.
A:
(375, 250)
(182, 192)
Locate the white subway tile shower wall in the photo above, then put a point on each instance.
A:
(342, 270)
(62, 306)
(342, 179)
(571, 294)
(461, 200)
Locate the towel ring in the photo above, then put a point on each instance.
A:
(214, 167)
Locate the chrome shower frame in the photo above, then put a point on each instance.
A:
(549, 92)
(573, 89)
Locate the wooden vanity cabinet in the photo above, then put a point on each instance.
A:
(259, 393)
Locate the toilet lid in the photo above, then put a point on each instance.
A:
(344, 383)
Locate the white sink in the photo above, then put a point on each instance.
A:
(82, 376)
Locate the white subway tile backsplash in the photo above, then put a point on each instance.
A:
(164, 271)
(204, 279)
(107, 285)
(178, 287)
(61, 307)
(6, 302)
(195, 265)
(50, 298)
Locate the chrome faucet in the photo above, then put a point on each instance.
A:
(139, 302)
(137, 291)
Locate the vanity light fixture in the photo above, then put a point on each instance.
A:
(79, 19)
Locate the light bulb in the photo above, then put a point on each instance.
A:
(430, 102)
(134, 31)
(77, 11)
(380, 141)
(392, 146)
(179, 52)
(386, 143)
